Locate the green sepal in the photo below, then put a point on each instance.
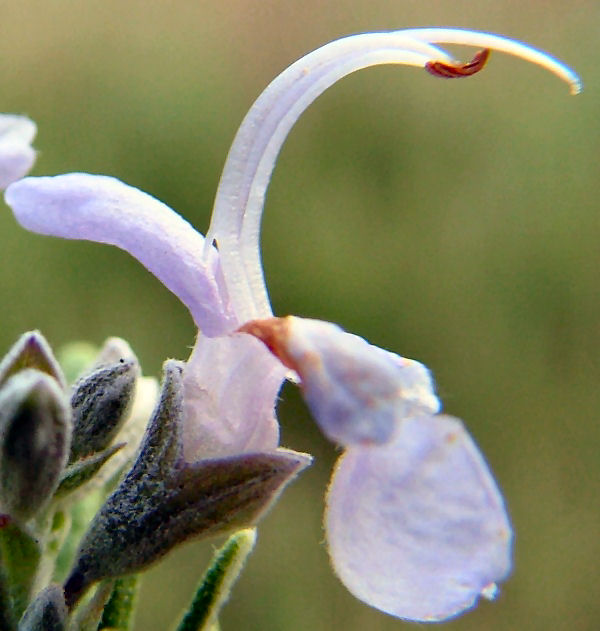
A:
(31, 351)
(47, 612)
(20, 555)
(215, 587)
(83, 470)
(119, 610)
(164, 501)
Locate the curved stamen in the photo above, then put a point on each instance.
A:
(501, 44)
(457, 71)
(240, 198)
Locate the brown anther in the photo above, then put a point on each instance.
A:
(456, 71)
(273, 333)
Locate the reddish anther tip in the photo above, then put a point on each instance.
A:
(5, 520)
(456, 71)
(273, 333)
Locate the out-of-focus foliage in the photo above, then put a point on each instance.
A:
(455, 222)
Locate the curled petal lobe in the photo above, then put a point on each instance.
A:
(105, 210)
(16, 154)
(417, 527)
(357, 392)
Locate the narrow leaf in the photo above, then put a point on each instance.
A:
(215, 587)
(120, 609)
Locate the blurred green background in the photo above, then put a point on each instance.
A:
(452, 222)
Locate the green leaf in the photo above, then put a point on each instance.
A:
(19, 558)
(215, 587)
(119, 610)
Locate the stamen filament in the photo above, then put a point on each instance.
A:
(235, 224)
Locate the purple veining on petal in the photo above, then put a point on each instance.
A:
(104, 209)
(418, 528)
(16, 154)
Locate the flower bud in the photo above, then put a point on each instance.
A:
(101, 402)
(31, 351)
(35, 434)
(114, 349)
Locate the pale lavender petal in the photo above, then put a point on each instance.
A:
(231, 385)
(103, 209)
(357, 392)
(16, 154)
(17, 128)
(418, 528)
(240, 198)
